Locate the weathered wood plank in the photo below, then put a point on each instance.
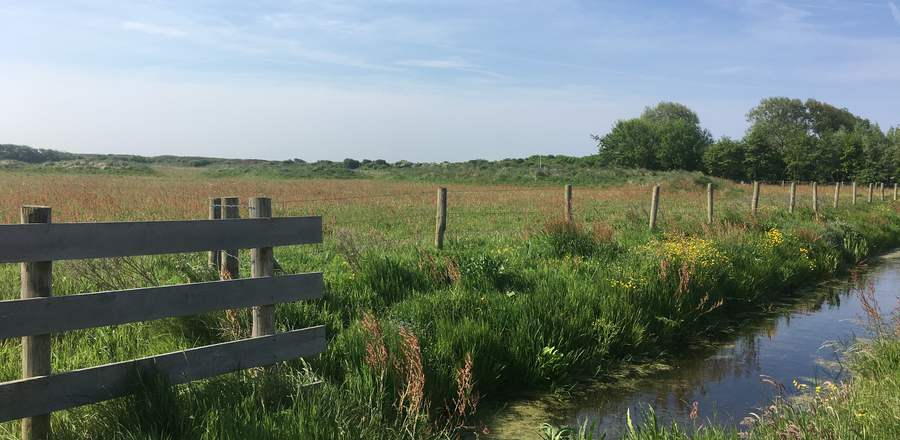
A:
(72, 312)
(37, 282)
(70, 241)
(91, 385)
(263, 266)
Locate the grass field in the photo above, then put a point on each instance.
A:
(519, 299)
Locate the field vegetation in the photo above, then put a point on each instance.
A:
(519, 300)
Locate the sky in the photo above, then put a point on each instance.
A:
(425, 81)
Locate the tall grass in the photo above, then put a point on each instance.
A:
(518, 300)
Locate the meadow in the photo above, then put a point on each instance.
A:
(519, 300)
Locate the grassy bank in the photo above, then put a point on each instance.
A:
(518, 300)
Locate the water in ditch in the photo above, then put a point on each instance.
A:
(794, 342)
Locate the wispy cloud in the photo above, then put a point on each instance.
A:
(726, 70)
(280, 20)
(453, 63)
(449, 63)
(895, 11)
(154, 30)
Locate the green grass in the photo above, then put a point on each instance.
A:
(534, 309)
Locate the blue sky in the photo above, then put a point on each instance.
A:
(426, 81)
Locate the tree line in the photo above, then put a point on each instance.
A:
(788, 139)
(23, 153)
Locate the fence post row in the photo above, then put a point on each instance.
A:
(793, 201)
(263, 265)
(654, 207)
(39, 314)
(837, 193)
(215, 213)
(815, 191)
(754, 202)
(37, 282)
(230, 269)
(871, 189)
(441, 220)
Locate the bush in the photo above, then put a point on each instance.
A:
(567, 238)
(200, 163)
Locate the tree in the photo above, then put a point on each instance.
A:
(805, 159)
(893, 138)
(629, 144)
(779, 119)
(725, 159)
(351, 163)
(680, 145)
(825, 118)
(762, 160)
(876, 164)
(670, 111)
(665, 137)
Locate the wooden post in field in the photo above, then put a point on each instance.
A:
(568, 202)
(441, 221)
(263, 265)
(230, 264)
(815, 188)
(837, 193)
(709, 203)
(654, 207)
(854, 193)
(882, 190)
(37, 282)
(793, 201)
(215, 213)
(895, 192)
(871, 189)
(754, 202)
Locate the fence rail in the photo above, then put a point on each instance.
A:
(38, 242)
(56, 392)
(66, 313)
(74, 241)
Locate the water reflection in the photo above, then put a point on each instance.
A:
(790, 343)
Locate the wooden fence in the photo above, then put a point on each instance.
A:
(38, 242)
(442, 213)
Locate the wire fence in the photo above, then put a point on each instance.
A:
(410, 218)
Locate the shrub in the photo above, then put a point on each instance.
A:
(570, 238)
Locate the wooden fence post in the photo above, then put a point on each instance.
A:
(895, 192)
(441, 221)
(837, 193)
(882, 190)
(37, 282)
(654, 206)
(709, 203)
(854, 193)
(263, 265)
(230, 264)
(793, 201)
(815, 189)
(754, 202)
(871, 189)
(215, 213)
(569, 202)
